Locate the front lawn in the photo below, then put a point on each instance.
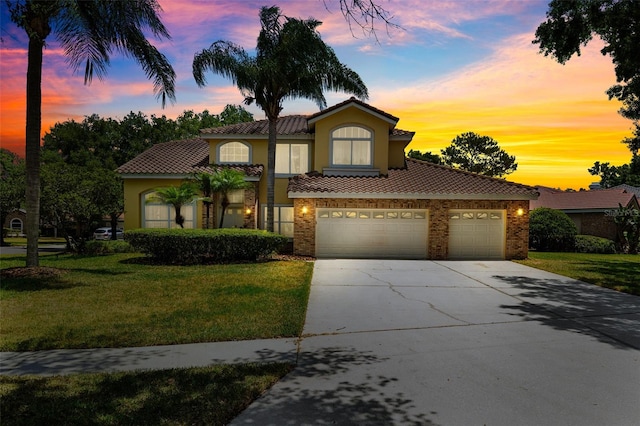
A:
(617, 271)
(120, 300)
(211, 395)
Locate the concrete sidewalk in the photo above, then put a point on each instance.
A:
(68, 361)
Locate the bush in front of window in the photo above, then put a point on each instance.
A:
(592, 244)
(551, 230)
(201, 246)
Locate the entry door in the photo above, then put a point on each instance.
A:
(371, 233)
(476, 234)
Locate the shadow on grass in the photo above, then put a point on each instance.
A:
(627, 274)
(182, 396)
(611, 317)
(336, 386)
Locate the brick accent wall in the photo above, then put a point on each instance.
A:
(517, 226)
(598, 224)
(250, 199)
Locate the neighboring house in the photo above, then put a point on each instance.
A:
(15, 222)
(343, 189)
(591, 211)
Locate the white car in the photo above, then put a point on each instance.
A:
(105, 233)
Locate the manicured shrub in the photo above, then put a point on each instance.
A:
(593, 244)
(194, 246)
(94, 247)
(551, 230)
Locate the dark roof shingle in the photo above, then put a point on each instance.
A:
(419, 179)
(600, 199)
(181, 157)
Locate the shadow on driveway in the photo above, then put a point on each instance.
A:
(607, 315)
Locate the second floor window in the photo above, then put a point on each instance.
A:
(233, 152)
(352, 146)
(292, 159)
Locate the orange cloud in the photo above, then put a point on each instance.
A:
(555, 119)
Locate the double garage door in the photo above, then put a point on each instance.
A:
(403, 233)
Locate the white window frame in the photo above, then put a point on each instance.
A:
(279, 152)
(14, 228)
(351, 140)
(170, 221)
(277, 223)
(223, 144)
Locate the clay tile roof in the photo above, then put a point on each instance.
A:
(418, 180)
(287, 125)
(180, 158)
(583, 200)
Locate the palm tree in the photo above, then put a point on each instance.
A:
(177, 196)
(204, 183)
(225, 181)
(291, 62)
(89, 31)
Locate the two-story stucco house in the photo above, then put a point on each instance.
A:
(343, 189)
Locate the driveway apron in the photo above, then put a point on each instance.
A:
(458, 343)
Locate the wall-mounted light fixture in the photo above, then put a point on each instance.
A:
(247, 211)
(305, 210)
(520, 212)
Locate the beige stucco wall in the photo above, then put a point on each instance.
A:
(133, 190)
(358, 117)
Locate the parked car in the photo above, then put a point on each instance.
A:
(105, 233)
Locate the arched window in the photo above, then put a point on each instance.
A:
(352, 146)
(158, 215)
(16, 225)
(234, 152)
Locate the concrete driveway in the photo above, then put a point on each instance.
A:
(458, 343)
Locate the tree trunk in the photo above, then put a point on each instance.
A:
(271, 172)
(224, 204)
(34, 114)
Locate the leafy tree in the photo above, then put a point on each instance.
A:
(89, 32)
(12, 185)
(478, 154)
(572, 24)
(232, 114)
(291, 62)
(177, 196)
(625, 174)
(551, 230)
(426, 156)
(223, 182)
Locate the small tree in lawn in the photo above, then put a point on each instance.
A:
(177, 196)
(223, 182)
(204, 181)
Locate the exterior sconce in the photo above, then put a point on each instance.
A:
(520, 212)
(247, 212)
(305, 210)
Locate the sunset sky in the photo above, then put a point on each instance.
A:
(454, 67)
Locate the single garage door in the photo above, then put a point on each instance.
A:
(371, 233)
(476, 234)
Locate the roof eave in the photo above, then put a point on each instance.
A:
(411, 196)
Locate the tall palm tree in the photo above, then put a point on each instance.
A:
(204, 183)
(177, 196)
(223, 182)
(89, 31)
(291, 62)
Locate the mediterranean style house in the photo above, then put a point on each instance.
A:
(343, 189)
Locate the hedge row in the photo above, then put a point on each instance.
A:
(195, 246)
(591, 244)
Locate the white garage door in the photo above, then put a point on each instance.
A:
(476, 234)
(371, 233)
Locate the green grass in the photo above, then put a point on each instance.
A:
(119, 301)
(617, 271)
(22, 241)
(211, 395)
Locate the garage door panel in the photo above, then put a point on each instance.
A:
(371, 233)
(476, 234)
